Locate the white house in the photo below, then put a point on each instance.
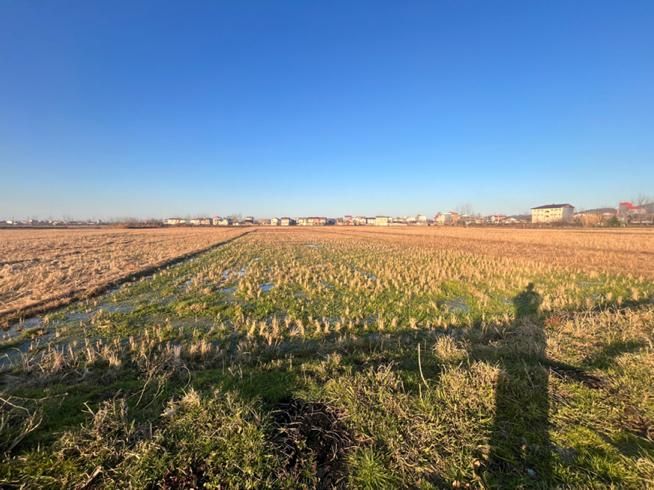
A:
(175, 221)
(201, 221)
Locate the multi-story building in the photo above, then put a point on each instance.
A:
(552, 213)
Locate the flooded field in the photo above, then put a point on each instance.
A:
(434, 363)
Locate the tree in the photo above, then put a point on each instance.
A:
(464, 209)
(613, 222)
(642, 199)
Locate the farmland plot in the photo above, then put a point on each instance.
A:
(342, 358)
(40, 269)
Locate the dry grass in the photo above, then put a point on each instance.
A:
(40, 269)
(611, 251)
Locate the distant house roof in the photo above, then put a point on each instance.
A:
(554, 206)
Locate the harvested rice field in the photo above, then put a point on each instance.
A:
(336, 357)
(40, 269)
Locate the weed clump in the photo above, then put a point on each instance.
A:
(315, 442)
(217, 441)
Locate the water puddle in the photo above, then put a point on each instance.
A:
(239, 273)
(77, 316)
(367, 274)
(117, 307)
(37, 323)
(22, 326)
(457, 305)
(266, 287)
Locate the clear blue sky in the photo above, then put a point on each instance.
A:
(116, 108)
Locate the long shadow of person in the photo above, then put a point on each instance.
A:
(520, 453)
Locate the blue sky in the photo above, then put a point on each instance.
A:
(131, 108)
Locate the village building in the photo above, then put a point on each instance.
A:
(275, 221)
(636, 214)
(225, 222)
(174, 221)
(627, 209)
(450, 218)
(382, 220)
(287, 221)
(312, 221)
(511, 220)
(468, 219)
(552, 213)
(595, 217)
(201, 221)
(496, 219)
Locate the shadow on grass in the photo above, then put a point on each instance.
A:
(605, 357)
(520, 450)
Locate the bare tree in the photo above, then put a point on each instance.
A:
(465, 209)
(642, 199)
